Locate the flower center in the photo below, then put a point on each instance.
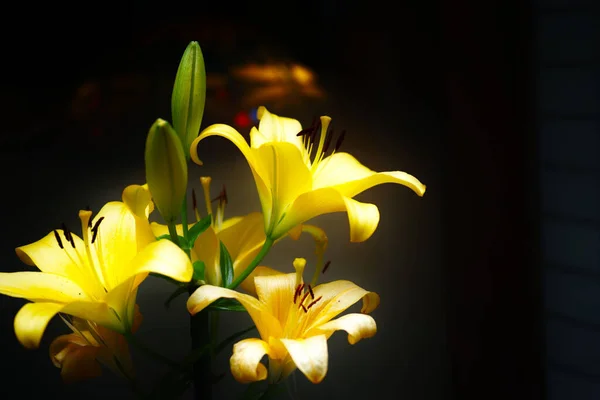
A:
(90, 262)
(217, 220)
(309, 134)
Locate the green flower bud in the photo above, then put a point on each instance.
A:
(189, 96)
(166, 170)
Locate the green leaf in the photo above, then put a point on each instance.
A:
(198, 271)
(183, 242)
(226, 266)
(199, 228)
(226, 305)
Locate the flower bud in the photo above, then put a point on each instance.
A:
(166, 170)
(189, 96)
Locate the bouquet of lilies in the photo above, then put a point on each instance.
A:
(91, 280)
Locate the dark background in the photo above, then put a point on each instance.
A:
(441, 90)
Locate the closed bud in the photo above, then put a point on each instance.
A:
(189, 96)
(166, 170)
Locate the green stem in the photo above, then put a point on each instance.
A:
(202, 370)
(214, 328)
(173, 233)
(259, 257)
(184, 218)
(132, 339)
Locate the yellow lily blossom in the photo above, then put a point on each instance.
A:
(292, 187)
(243, 236)
(95, 277)
(80, 354)
(294, 321)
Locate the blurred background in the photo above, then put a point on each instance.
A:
(489, 283)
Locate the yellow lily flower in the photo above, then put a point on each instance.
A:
(243, 236)
(80, 354)
(95, 277)
(293, 188)
(294, 321)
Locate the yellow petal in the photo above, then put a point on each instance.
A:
(208, 250)
(47, 255)
(310, 356)
(31, 322)
(138, 200)
(362, 217)
(276, 292)
(245, 362)
(266, 324)
(243, 237)
(273, 128)
(358, 326)
(40, 286)
(350, 177)
(248, 283)
(32, 319)
(162, 257)
(238, 140)
(286, 175)
(336, 297)
(116, 242)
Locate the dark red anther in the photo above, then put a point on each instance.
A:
(304, 308)
(338, 143)
(328, 140)
(194, 203)
(314, 302)
(57, 236)
(304, 298)
(326, 266)
(312, 295)
(95, 229)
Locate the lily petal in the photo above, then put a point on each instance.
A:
(310, 356)
(208, 250)
(336, 297)
(362, 217)
(139, 200)
(32, 319)
(47, 255)
(266, 323)
(116, 241)
(245, 362)
(243, 238)
(162, 257)
(40, 286)
(287, 176)
(276, 292)
(248, 283)
(273, 128)
(350, 177)
(358, 326)
(76, 358)
(31, 322)
(238, 140)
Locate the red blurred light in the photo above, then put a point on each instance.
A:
(242, 120)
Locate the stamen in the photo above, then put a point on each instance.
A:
(297, 291)
(326, 266)
(57, 236)
(314, 302)
(328, 141)
(312, 295)
(304, 308)
(195, 205)
(95, 229)
(68, 235)
(304, 298)
(205, 182)
(339, 141)
(222, 197)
